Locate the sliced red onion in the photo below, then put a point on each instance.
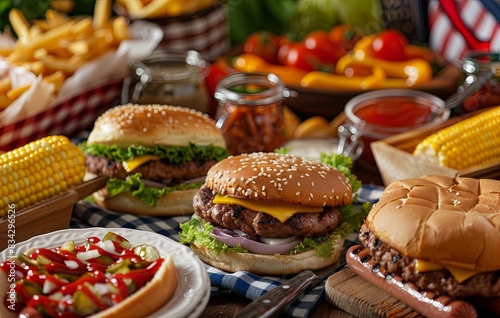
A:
(194, 180)
(153, 184)
(233, 239)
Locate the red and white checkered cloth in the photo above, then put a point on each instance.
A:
(206, 31)
(474, 27)
(67, 118)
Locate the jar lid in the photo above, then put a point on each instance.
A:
(168, 66)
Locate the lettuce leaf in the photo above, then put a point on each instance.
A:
(139, 190)
(171, 154)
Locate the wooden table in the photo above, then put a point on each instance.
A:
(228, 304)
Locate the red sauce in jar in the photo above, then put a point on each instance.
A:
(394, 112)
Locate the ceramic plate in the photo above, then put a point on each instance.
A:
(193, 290)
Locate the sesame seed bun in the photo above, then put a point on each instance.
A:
(153, 125)
(449, 221)
(280, 178)
(175, 203)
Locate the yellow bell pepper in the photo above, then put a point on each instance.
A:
(399, 73)
(251, 63)
(322, 80)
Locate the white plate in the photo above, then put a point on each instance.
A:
(193, 291)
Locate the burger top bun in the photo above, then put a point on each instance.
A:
(451, 221)
(153, 125)
(279, 178)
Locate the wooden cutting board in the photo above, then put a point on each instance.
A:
(358, 297)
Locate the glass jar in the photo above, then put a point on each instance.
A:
(168, 78)
(483, 70)
(384, 113)
(250, 112)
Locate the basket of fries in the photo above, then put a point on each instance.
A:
(62, 72)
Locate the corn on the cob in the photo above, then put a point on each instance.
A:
(471, 142)
(38, 171)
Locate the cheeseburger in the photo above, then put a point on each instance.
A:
(156, 157)
(271, 213)
(441, 234)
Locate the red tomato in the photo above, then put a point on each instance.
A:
(390, 45)
(326, 51)
(297, 55)
(344, 35)
(263, 44)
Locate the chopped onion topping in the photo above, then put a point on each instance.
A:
(84, 256)
(71, 264)
(233, 239)
(108, 246)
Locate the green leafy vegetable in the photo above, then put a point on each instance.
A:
(139, 190)
(171, 154)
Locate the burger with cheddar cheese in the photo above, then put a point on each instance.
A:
(272, 214)
(156, 157)
(439, 233)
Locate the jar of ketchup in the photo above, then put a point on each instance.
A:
(383, 113)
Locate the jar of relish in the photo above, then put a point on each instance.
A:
(250, 112)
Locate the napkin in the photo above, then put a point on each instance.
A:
(86, 214)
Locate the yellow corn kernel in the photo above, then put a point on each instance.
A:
(52, 158)
(474, 141)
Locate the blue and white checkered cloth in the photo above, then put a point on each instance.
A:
(251, 286)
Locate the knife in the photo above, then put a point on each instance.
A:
(275, 301)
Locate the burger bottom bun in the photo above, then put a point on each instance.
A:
(172, 204)
(147, 300)
(267, 264)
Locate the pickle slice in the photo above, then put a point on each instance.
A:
(147, 252)
(123, 242)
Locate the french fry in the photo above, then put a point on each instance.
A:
(35, 67)
(15, 92)
(54, 64)
(63, 5)
(55, 18)
(52, 36)
(19, 25)
(56, 78)
(120, 29)
(102, 13)
(4, 102)
(5, 85)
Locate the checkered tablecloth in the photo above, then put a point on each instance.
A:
(251, 286)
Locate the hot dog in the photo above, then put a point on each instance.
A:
(99, 278)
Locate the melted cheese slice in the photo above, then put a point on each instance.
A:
(132, 164)
(459, 274)
(281, 211)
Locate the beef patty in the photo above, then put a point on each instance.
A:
(167, 173)
(440, 281)
(236, 217)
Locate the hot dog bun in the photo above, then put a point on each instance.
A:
(145, 301)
